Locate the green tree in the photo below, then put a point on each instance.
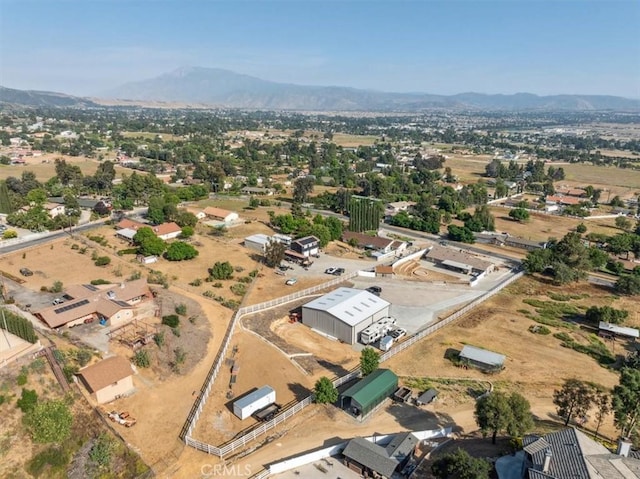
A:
(101, 451)
(595, 314)
(602, 402)
(629, 285)
(49, 421)
(180, 251)
(302, 188)
(141, 358)
(623, 223)
(574, 399)
(461, 234)
(325, 392)
(581, 228)
(274, 253)
(187, 232)
(28, 400)
(460, 465)
(626, 402)
(148, 243)
(521, 417)
(493, 414)
(519, 214)
(369, 361)
(221, 270)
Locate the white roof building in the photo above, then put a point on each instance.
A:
(344, 313)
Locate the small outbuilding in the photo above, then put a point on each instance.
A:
(344, 313)
(482, 358)
(254, 401)
(257, 242)
(220, 214)
(427, 397)
(361, 398)
(108, 379)
(612, 330)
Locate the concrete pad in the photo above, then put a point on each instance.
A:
(510, 467)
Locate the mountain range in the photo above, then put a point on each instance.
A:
(214, 87)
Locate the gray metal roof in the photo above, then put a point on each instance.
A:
(482, 356)
(457, 264)
(383, 460)
(127, 233)
(612, 328)
(254, 396)
(349, 305)
(427, 396)
(258, 238)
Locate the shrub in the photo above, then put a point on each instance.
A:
(100, 452)
(196, 282)
(27, 401)
(127, 251)
(217, 285)
(158, 338)
(69, 371)
(157, 277)
(171, 320)
(96, 282)
(21, 379)
(54, 460)
(9, 234)
(75, 246)
(221, 270)
(102, 261)
(57, 287)
(49, 421)
(245, 279)
(38, 366)
(83, 357)
(538, 329)
(181, 309)
(135, 275)
(176, 332)
(238, 289)
(141, 358)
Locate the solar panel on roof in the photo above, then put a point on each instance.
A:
(122, 303)
(71, 306)
(90, 287)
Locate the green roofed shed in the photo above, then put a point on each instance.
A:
(366, 394)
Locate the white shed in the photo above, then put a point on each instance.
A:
(252, 402)
(257, 242)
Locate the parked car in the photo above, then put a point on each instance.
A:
(330, 270)
(398, 333)
(291, 281)
(281, 272)
(26, 272)
(58, 301)
(338, 271)
(374, 290)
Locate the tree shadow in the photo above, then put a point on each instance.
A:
(415, 418)
(336, 369)
(299, 391)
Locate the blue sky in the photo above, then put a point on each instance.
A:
(444, 47)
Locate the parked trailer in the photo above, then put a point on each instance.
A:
(377, 330)
(386, 343)
(267, 413)
(258, 399)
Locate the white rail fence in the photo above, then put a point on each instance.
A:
(230, 447)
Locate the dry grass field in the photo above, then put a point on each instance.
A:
(352, 141)
(541, 227)
(44, 167)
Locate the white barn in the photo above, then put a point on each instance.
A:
(344, 313)
(257, 242)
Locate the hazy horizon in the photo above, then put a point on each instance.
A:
(568, 47)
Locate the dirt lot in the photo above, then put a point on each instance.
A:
(218, 424)
(57, 261)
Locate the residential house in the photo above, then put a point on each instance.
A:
(113, 304)
(167, 231)
(376, 243)
(108, 380)
(571, 454)
(396, 207)
(307, 246)
(258, 191)
(220, 214)
(563, 200)
(373, 460)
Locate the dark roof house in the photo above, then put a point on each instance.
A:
(571, 454)
(368, 457)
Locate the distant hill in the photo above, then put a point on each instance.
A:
(41, 98)
(224, 88)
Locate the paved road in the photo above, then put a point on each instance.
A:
(61, 233)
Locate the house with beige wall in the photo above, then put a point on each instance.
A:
(108, 380)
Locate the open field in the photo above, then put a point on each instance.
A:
(351, 141)
(150, 135)
(44, 167)
(541, 227)
(623, 182)
(468, 168)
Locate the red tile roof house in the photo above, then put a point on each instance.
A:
(164, 231)
(563, 200)
(220, 214)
